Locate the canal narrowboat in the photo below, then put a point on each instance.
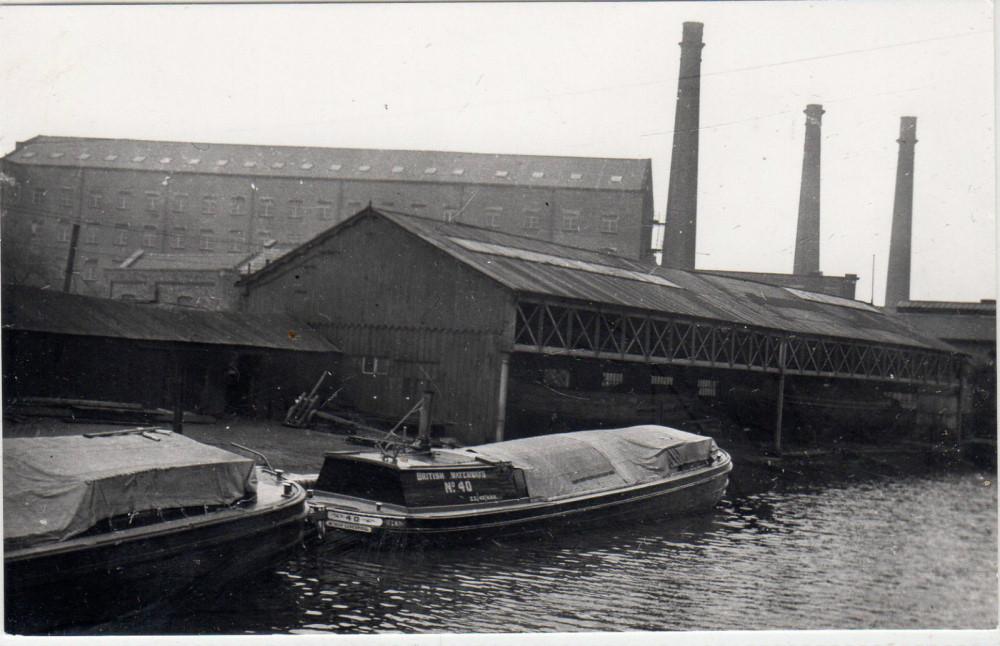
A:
(101, 525)
(545, 483)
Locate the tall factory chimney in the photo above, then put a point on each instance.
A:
(682, 196)
(897, 286)
(807, 234)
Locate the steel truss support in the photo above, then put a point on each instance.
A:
(550, 328)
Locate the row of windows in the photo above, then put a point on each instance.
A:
(297, 209)
(178, 238)
(560, 378)
(304, 165)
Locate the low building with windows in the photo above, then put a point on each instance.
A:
(519, 336)
(74, 208)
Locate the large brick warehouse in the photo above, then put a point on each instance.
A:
(75, 207)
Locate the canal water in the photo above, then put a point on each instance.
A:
(881, 553)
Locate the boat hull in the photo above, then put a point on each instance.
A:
(88, 580)
(686, 494)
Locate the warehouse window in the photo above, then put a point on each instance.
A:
(179, 202)
(205, 240)
(661, 380)
(177, 238)
(236, 240)
(324, 210)
(397, 169)
(493, 214)
(38, 196)
(532, 219)
(95, 200)
(138, 159)
(418, 206)
(374, 366)
(617, 179)
(149, 236)
(571, 220)
(152, 201)
(538, 174)
(264, 235)
(66, 197)
(278, 164)
(36, 228)
(576, 176)
(209, 205)
(123, 200)
(555, 377)
(239, 204)
(609, 379)
(707, 387)
(295, 238)
(458, 171)
(295, 208)
(306, 165)
(121, 235)
(266, 207)
(13, 193)
(430, 170)
(65, 230)
(90, 234)
(609, 223)
(90, 269)
(364, 168)
(353, 206)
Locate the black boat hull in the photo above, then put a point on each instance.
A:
(692, 493)
(89, 581)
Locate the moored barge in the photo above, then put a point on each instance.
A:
(102, 525)
(545, 483)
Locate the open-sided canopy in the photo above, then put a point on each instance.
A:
(57, 487)
(569, 464)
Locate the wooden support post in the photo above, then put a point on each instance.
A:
(780, 405)
(178, 403)
(502, 397)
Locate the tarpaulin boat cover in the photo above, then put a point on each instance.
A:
(567, 464)
(57, 487)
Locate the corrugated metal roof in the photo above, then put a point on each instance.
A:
(954, 327)
(696, 295)
(982, 307)
(338, 163)
(41, 310)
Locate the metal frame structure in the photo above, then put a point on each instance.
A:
(544, 327)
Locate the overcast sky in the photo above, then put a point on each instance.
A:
(569, 79)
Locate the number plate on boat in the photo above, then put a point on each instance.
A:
(354, 519)
(349, 526)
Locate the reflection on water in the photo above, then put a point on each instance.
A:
(910, 552)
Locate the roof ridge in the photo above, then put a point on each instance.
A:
(73, 138)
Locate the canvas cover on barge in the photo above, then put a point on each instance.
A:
(567, 464)
(56, 488)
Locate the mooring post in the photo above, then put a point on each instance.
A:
(502, 397)
(424, 430)
(780, 405)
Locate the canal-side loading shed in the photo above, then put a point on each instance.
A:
(79, 347)
(487, 318)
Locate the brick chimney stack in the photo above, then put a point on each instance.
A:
(807, 233)
(682, 196)
(897, 286)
